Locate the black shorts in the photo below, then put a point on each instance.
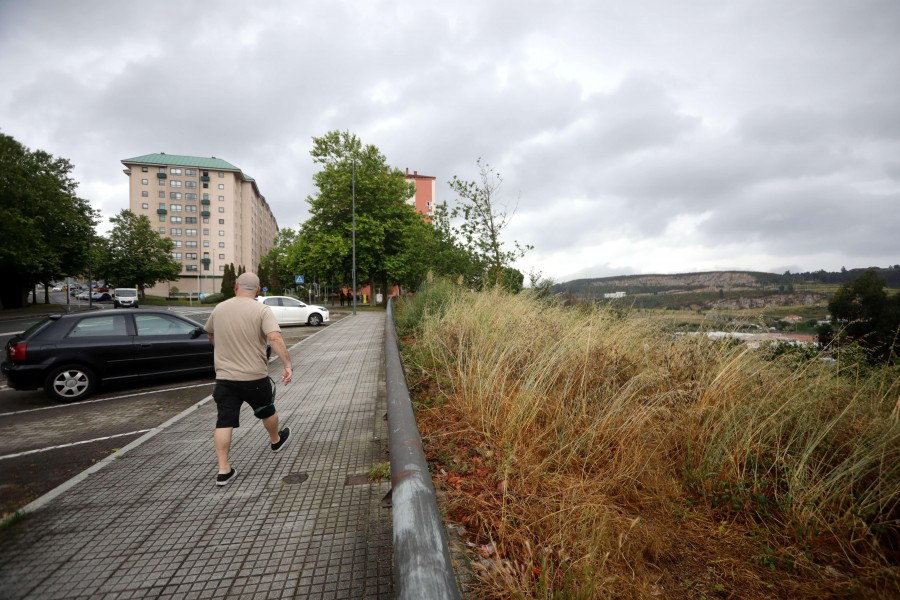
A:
(230, 395)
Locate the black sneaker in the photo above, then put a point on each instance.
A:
(226, 478)
(285, 435)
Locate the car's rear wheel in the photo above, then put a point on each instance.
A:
(315, 319)
(70, 383)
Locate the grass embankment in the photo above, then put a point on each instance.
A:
(603, 458)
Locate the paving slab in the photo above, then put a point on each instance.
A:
(295, 524)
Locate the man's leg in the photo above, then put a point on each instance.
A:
(271, 425)
(222, 441)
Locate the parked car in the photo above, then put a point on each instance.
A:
(290, 311)
(125, 297)
(101, 296)
(83, 295)
(70, 355)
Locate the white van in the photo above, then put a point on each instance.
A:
(125, 297)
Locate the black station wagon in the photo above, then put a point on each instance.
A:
(69, 355)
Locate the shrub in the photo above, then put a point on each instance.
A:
(212, 299)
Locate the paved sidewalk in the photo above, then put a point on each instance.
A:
(153, 524)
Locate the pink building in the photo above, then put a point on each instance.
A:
(424, 198)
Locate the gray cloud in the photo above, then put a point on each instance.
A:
(767, 128)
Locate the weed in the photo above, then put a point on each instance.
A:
(380, 471)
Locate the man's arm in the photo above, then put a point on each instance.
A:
(277, 343)
(212, 339)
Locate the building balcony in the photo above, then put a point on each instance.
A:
(205, 261)
(205, 201)
(204, 213)
(204, 178)
(160, 175)
(160, 211)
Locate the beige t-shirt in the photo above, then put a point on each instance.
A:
(240, 326)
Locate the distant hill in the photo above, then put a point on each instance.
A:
(728, 281)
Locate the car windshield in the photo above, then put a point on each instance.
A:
(129, 293)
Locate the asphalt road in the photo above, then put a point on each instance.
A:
(44, 443)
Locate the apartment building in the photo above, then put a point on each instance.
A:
(212, 211)
(424, 198)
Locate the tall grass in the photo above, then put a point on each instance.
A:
(614, 449)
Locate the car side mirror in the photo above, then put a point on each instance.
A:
(196, 332)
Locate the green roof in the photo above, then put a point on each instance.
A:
(183, 161)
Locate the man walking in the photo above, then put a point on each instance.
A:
(238, 330)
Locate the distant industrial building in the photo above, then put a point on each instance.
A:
(212, 211)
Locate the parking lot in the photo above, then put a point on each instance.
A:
(43, 443)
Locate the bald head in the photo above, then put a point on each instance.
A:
(247, 284)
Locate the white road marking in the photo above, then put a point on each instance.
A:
(186, 387)
(109, 437)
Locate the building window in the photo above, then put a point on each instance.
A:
(206, 220)
(162, 229)
(205, 231)
(190, 232)
(221, 244)
(162, 194)
(221, 198)
(144, 181)
(190, 267)
(190, 196)
(221, 209)
(174, 183)
(176, 255)
(162, 182)
(221, 267)
(190, 244)
(145, 193)
(205, 185)
(162, 218)
(175, 231)
(162, 205)
(190, 208)
(190, 184)
(144, 205)
(162, 169)
(206, 243)
(221, 186)
(221, 174)
(221, 233)
(221, 257)
(190, 220)
(144, 169)
(221, 221)
(176, 243)
(190, 172)
(206, 196)
(175, 171)
(191, 256)
(175, 196)
(175, 220)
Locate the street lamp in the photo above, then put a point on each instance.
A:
(353, 188)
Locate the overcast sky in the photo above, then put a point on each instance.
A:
(650, 136)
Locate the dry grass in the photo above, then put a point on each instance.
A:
(604, 458)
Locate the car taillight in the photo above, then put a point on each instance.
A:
(17, 352)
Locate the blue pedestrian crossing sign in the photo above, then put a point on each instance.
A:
(298, 279)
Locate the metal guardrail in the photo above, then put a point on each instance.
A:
(422, 565)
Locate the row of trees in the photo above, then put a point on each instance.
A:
(394, 244)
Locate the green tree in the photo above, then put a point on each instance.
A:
(229, 278)
(137, 256)
(45, 228)
(863, 312)
(483, 220)
(385, 223)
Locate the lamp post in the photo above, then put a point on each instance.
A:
(353, 188)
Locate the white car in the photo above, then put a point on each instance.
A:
(290, 311)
